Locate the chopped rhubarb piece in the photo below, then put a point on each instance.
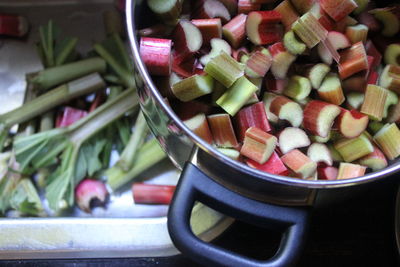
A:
(390, 21)
(392, 54)
(187, 110)
(209, 9)
(184, 68)
(373, 77)
(281, 60)
(209, 28)
(273, 165)
(193, 87)
(13, 25)
(238, 53)
(327, 172)
(320, 153)
(246, 6)
(90, 193)
(303, 6)
(388, 139)
(224, 69)
(292, 44)
(263, 27)
(337, 41)
(394, 114)
(230, 152)
(235, 30)
(275, 85)
(167, 11)
(374, 102)
(237, 95)
(316, 73)
(375, 160)
(187, 39)
(291, 138)
(199, 125)
(152, 193)
(331, 90)
(267, 100)
(357, 33)
(286, 109)
(258, 145)
(217, 45)
(164, 84)
(353, 60)
(323, 18)
(342, 24)
(222, 130)
(309, 30)
(299, 163)
(338, 9)
(355, 83)
(354, 148)
(391, 99)
(156, 55)
(251, 116)
(258, 64)
(352, 123)
(288, 12)
(319, 117)
(298, 88)
(349, 170)
(390, 78)
(70, 115)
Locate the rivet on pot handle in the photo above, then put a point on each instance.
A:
(194, 185)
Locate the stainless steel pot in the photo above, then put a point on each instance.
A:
(227, 185)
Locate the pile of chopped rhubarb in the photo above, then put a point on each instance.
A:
(300, 88)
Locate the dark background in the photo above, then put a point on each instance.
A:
(356, 232)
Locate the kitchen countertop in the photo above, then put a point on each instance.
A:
(359, 232)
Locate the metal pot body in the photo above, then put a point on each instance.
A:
(226, 185)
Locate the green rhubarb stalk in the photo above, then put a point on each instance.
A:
(49, 100)
(137, 138)
(113, 51)
(47, 37)
(51, 77)
(65, 51)
(9, 179)
(147, 156)
(39, 149)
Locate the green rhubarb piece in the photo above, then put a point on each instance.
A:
(193, 87)
(354, 148)
(309, 30)
(392, 54)
(148, 155)
(391, 23)
(168, 11)
(336, 157)
(355, 100)
(237, 96)
(225, 69)
(317, 74)
(298, 88)
(229, 152)
(392, 99)
(217, 92)
(388, 139)
(51, 77)
(292, 44)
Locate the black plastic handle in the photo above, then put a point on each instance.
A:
(195, 185)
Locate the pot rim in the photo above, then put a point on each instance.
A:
(140, 67)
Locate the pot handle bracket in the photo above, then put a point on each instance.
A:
(194, 185)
